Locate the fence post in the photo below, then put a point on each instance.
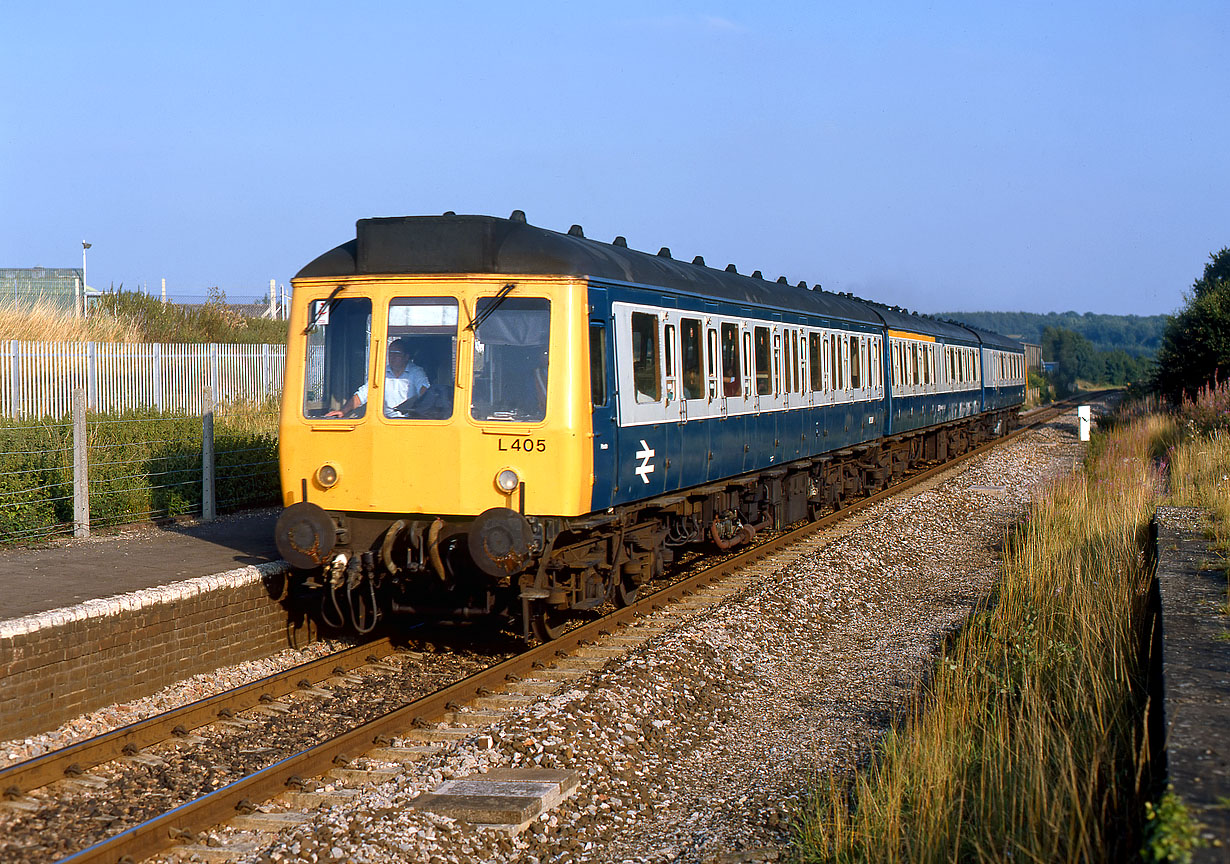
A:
(81, 468)
(91, 376)
(209, 508)
(15, 380)
(156, 377)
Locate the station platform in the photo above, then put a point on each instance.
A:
(66, 572)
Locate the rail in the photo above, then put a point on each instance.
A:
(191, 818)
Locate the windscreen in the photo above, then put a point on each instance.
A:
(510, 359)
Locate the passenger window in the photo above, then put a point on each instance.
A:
(764, 360)
(510, 359)
(597, 364)
(730, 360)
(690, 350)
(815, 362)
(856, 369)
(646, 358)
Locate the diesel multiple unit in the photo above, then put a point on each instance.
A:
(485, 418)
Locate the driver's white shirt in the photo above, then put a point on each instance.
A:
(397, 388)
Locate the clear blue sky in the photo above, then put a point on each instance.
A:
(946, 156)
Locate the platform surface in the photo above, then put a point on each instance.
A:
(66, 572)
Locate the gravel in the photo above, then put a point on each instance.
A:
(698, 744)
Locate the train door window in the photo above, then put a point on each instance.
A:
(856, 368)
(597, 364)
(815, 362)
(784, 362)
(711, 360)
(512, 337)
(777, 363)
(747, 357)
(764, 368)
(421, 365)
(668, 336)
(730, 360)
(690, 348)
(834, 362)
(338, 345)
(795, 361)
(827, 345)
(646, 358)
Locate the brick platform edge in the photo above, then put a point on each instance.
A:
(57, 665)
(1195, 674)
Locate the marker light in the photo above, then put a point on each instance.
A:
(507, 481)
(326, 476)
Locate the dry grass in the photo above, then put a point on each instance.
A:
(49, 323)
(1030, 745)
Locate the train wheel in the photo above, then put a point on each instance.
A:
(625, 591)
(547, 622)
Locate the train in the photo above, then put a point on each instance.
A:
(486, 419)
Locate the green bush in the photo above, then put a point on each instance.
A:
(213, 321)
(142, 465)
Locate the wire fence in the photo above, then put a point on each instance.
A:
(38, 379)
(138, 466)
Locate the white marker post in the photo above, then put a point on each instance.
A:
(1082, 421)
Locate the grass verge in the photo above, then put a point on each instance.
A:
(142, 466)
(1031, 744)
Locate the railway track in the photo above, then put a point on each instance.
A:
(190, 819)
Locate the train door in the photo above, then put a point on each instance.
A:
(728, 440)
(690, 450)
(676, 407)
(602, 398)
(760, 433)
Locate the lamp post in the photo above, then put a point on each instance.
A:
(84, 282)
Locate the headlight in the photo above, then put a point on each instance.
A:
(326, 476)
(507, 480)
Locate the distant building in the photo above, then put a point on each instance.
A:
(52, 287)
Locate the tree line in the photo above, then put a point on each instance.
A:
(1136, 335)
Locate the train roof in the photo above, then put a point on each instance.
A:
(487, 244)
(994, 340)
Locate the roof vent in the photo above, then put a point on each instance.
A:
(756, 274)
(781, 280)
(621, 241)
(803, 284)
(730, 268)
(517, 216)
(575, 231)
(449, 213)
(699, 260)
(664, 252)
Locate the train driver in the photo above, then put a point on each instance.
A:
(404, 384)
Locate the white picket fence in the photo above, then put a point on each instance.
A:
(37, 379)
